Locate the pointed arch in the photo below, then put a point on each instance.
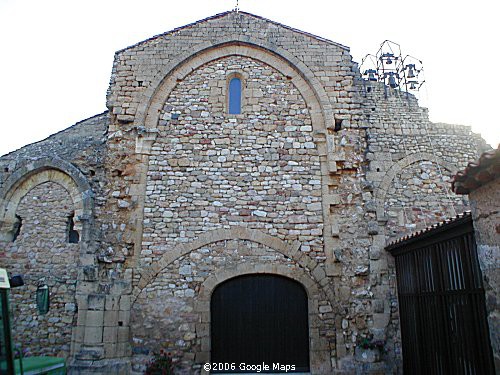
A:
(290, 250)
(34, 173)
(398, 166)
(318, 349)
(301, 76)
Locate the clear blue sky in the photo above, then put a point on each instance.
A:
(57, 55)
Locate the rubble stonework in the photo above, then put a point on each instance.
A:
(480, 180)
(173, 195)
(43, 255)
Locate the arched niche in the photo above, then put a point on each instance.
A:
(32, 174)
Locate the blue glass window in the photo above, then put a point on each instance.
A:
(235, 96)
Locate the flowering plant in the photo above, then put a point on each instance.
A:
(161, 364)
(369, 343)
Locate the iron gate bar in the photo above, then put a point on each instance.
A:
(441, 300)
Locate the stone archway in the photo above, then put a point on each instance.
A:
(397, 167)
(35, 173)
(197, 303)
(290, 250)
(276, 57)
(318, 346)
(312, 91)
(260, 318)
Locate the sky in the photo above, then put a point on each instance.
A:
(56, 56)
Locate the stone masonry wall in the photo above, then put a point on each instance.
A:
(210, 170)
(136, 67)
(411, 160)
(319, 161)
(420, 196)
(410, 163)
(82, 144)
(486, 217)
(79, 151)
(166, 315)
(43, 255)
(133, 143)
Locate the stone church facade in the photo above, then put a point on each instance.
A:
(135, 216)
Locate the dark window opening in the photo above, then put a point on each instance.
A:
(235, 96)
(338, 125)
(73, 236)
(17, 227)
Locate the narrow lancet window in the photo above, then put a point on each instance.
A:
(73, 236)
(235, 96)
(17, 228)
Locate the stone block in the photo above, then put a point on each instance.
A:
(202, 357)
(123, 334)
(125, 303)
(381, 320)
(90, 353)
(319, 272)
(205, 344)
(88, 287)
(335, 231)
(340, 345)
(123, 318)
(94, 318)
(333, 269)
(78, 333)
(110, 350)
(111, 318)
(93, 335)
(202, 329)
(112, 302)
(96, 301)
(88, 273)
(123, 349)
(120, 287)
(110, 334)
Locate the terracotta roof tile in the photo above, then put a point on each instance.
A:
(478, 173)
(430, 230)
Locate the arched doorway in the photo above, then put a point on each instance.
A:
(260, 320)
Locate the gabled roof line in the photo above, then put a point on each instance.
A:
(320, 38)
(220, 15)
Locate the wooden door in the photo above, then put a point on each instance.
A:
(260, 319)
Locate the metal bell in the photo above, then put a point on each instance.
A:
(411, 71)
(392, 82)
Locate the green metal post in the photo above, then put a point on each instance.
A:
(5, 334)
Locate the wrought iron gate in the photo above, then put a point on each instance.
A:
(441, 302)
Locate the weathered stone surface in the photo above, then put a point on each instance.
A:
(42, 255)
(171, 194)
(486, 218)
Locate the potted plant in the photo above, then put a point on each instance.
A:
(369, 350)
(161, 364)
